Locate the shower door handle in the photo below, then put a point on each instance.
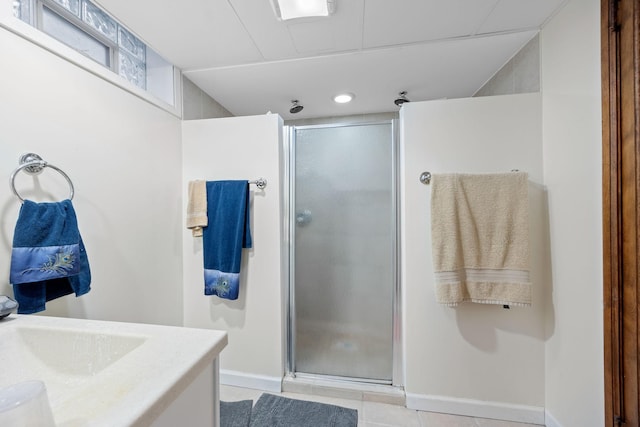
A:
(303, 218)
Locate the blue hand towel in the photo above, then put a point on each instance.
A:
(224, 237)
(48, 259)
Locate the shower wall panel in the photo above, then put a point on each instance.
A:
(467, 356)
(240, 148)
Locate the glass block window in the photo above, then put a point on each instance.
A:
(61, 29)
(99, 21)
(131, 44)
(22, 10)
(132, 69)
(72, 6)
(88, 29)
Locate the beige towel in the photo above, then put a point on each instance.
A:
(480, 238)
(197, 207)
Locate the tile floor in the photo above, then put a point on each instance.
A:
(372, 414)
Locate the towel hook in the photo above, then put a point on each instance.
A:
(425, 178)
(33, 164)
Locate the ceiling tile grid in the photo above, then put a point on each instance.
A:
(251, 62)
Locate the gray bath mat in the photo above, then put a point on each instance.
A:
(235, 414)
(277, 411)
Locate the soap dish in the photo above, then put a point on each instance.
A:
(7, 305)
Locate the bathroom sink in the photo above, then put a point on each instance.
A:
(100, 373)
(76, 352)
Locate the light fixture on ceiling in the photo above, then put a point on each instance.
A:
(402, 98)
(293, 9)
(343, 98)
(295, 107)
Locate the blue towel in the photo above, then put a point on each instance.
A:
(224, 237)
(48, 259)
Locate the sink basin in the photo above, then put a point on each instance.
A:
(76, 352)
(100, 373)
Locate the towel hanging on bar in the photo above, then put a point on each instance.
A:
(480, 238)
(197, 207)
(227, 233)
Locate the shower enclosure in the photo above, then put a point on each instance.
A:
(343, 288)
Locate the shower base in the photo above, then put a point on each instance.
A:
(321, 386)
(352, 356)
(343, 350)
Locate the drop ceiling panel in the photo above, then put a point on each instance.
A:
(415, 21)
(189, 33)
(241, 55)
(270, 35)
(315, 37)
(340, 32)
(427, 71)
(278, 39)
(513, 14)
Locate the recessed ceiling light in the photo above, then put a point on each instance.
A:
(343, 98)
(293, 9)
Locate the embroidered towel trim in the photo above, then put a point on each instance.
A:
(48, 258)
(197, 207)
(480, 238)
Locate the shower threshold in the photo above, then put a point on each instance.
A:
(342, 388)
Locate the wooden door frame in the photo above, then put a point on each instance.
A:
(620, 31)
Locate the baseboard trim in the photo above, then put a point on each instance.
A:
(477, 408)
(550, 421)
(255, 381)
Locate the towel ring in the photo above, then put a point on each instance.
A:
(33, 164)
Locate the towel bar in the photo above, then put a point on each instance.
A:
(261, 183)
(33, 164)
(425, 177)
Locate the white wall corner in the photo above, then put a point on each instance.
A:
(550, 421)
(254, 381)
(477, 408)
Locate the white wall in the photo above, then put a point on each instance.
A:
(520, 75)
(240, 148)
(572, 172)
(123, 155)
(196, 104)
(476, 359)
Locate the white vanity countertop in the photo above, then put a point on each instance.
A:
(101, 373)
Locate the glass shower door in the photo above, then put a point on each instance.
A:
(344, 251)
